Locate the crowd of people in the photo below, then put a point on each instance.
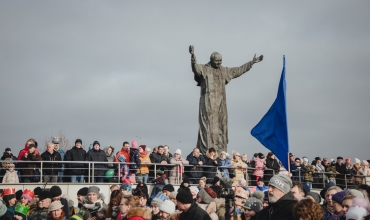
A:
(212, 186)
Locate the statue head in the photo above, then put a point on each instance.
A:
(216, 60)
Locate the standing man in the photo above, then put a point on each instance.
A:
(56, 142)
(8, 154)
(29, 172)
(97, 155)
(160, 158)
(212, 79)
(197, 160)
(341, 170)
(76, 170)
(50, 170)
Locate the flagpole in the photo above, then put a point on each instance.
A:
(288, 165)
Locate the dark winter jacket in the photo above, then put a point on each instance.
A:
(51, 168)
(97, 156)
(271, 164)
(196, 171)
(29, 168)
(296, 173)
(135, 159)
(76, 154)
(158, 158)
(194, 213)
(280, 210)
(7, 155)
(210, 172)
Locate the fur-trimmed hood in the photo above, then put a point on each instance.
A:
(145, 213)
(209, 156)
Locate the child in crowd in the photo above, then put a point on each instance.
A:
(11, 175)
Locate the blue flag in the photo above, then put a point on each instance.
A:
(272, 130)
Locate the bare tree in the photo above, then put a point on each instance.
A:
(64, 141)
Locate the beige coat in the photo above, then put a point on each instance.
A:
(174, 177)
(11, 177)
(239, 172)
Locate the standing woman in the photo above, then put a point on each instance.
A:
(144, 166)
(260, 166)
(225, 162)
(239, 167)
(273, 165)
(177, 172)
(109, 151)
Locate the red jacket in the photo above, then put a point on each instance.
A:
(25, 150)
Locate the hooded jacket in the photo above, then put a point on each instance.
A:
(25, 150)
(280, 210)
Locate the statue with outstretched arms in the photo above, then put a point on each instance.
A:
(212, 79)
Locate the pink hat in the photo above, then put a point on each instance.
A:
(134, 144)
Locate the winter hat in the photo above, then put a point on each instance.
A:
(31, 146)
(315, 196)
(215, 180)
(56, 140)
(184, 196)
(178, 151)
(168, 207)
(134, 144)
(338, 197)
(185, 179)
(19, 194)
(78, 141)
(205, 196)
(364, 162)
(148, 149)
(252, 205)
(37, 191)
(356, 193)
(261, 156)
(83, 191)
(348, 160)
(339, 158)
(355, 212)
(169, 188)
(259, 196)
(194, 189)
(357, 160)
(3, 208)
(305, 159)
(306, 189)
(126, 187)
(28, 194)
(96, 142)
(45, 195)
(282, 182)
(55, 191)
(260, 179)
(323, 191)
(358, 210)
(317, 158)
(156, 202)
(173, 195)
(55, 205)
(93, 189)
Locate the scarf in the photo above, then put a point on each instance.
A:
(143, 154)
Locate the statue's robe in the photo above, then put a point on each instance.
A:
(212, 103)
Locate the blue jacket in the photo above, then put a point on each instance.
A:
(225, 163)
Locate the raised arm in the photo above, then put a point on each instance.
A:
(197, 69)
(238, 71)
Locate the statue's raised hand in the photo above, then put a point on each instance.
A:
(191, 49)
(257, 59)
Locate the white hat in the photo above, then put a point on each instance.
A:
(356, 212)
(357, 160)
(55, 205)
(194, 189)
(168, 207)
(148, 149)
(178, 151)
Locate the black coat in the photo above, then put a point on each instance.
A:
(271, 164)
(7, 155)
(134, 158)
(97, 156)
(280, 210)
(76, 154)
(210, 172)
(196, 171)
(51, 168)
(194, 213)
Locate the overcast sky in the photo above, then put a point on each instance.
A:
(115, 70)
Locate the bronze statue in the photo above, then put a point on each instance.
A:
(212, 79)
